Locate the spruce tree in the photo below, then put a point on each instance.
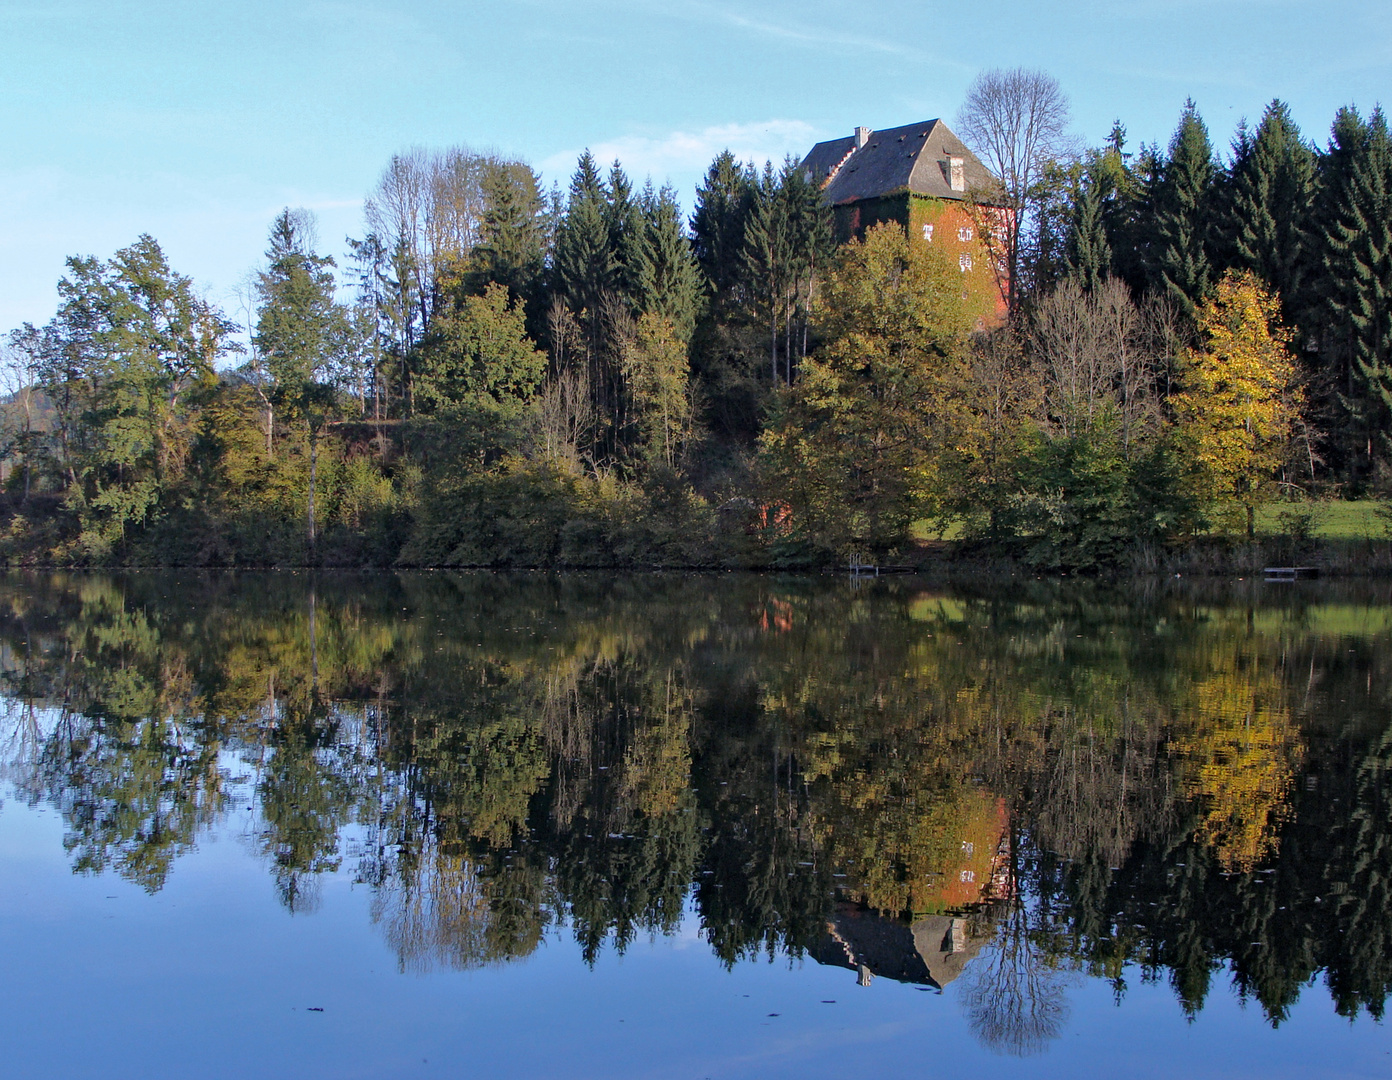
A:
(766, 256)
(1089, 255)
(512, 236)
(717, 226)
(1270, 206)
(624, 218)
(1357, 264)
(1102, 222)
(1130, 224)
(668, 280)
(728, 349)
(1182, 213)
(298, 321)
(585, 265)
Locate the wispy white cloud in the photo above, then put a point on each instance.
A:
(681, 156)
(813, 36)
(802, 26)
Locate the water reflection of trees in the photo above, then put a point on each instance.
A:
(1155, 786)
(1015, 994)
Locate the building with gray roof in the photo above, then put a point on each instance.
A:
(923, 177)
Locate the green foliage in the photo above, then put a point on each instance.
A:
(125, 359)
(477, 353)
(586, 263)
(656, 374)
(512, 235)
(1089, 253)
(1082, 502)
(667, 280)
(1182, 214)
(1270, 207)
(1357, 271)
(857, 446)
(540, 514)
(299, 325)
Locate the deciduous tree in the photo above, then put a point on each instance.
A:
(1241, 398)
(1016, 120)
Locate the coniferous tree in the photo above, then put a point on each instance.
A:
(585, 265)
(767, 255)
(728, 350)
(623, 215)
(1129, 218)
(668, 279)
(1089, 255)
(512, 235)
(1268, 211)
(299, 330)
(1181, 212)
(1356, 266)
(809, 224)
(717, 225)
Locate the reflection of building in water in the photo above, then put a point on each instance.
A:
(934, 949)
(978, 868)
(931, 952)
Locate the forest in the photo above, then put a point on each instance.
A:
(497, 374)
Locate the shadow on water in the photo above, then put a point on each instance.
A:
(1004, 787)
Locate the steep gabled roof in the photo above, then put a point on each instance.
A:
(911, 158)
(826, 157)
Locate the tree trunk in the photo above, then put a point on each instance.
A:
(313, 464)
(773, 341)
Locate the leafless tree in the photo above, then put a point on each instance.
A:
(567, 414)
(428, 208)
(1014, 996)
(17, 416)
(1101, 353)
(1015, 120)
(254, 370)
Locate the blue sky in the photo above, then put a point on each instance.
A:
(197, 121)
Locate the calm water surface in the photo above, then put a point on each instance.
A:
(692, 826)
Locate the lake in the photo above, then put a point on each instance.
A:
(588, 825)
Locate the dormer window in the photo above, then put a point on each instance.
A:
(964, 261)
(928, 233)
(965, 234)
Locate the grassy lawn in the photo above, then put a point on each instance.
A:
(1332, 519)
(933, 530)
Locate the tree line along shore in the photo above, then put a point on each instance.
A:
(1183, 344)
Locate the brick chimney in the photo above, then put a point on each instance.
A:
(956, 177)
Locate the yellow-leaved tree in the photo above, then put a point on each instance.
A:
(1239, 750)
(1240, 399)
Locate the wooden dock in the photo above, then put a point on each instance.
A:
(1290, 573)
(864, 569)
